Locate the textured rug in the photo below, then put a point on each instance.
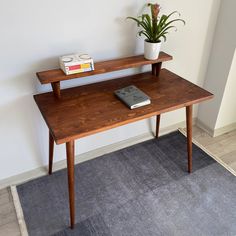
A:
(142, 190)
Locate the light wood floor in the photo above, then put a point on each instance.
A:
(8, 220)
(224, 147)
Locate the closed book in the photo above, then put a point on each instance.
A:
(133, 97)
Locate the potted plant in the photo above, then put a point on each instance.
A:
(155, 29)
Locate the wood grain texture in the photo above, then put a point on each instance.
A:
(93, 108)
(156, 68)
(4, 198)
(7, 212)
(10, 229)
(51, 149)
(70, 153)
(56, 87)
(55, 75)
(8, 219)
(158, 119)
(189, 124)
(3, 191)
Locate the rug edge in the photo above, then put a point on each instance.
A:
(19, 211)
(182, 131)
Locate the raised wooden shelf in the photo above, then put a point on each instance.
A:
(56, 75)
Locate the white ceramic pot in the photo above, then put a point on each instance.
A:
(151, 50)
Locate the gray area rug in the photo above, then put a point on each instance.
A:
(142, 190)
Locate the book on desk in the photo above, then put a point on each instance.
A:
(133, 97)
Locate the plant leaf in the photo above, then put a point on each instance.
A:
(166, 29)
(171, 22)
(144, 33)
(155, 30)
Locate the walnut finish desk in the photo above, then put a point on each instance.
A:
(77, 112)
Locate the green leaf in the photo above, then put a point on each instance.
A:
(172, 13)
(164, 22)
(164, 37)
(139, 22)
(132, 18)
(171, 22)
(147, 18)
(148, 22)
(155, 30)
(144, 33)
(163, 19)
(166, 29)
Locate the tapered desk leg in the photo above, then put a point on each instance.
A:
(158, 125)
(70, 170)
(51, 147)
(189, 114)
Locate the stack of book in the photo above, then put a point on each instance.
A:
(75, 63)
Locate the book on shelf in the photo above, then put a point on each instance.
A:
(75, 63)
(133, 97)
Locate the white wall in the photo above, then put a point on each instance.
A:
(227, 113)
(220, 62)
(35, 33)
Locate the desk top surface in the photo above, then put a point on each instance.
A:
(89, 109)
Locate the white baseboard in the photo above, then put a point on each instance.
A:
(216, 132)
(225, 129)
(204, 127)
(41, 171)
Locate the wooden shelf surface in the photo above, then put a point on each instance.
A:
(56, 75)
(89, 109)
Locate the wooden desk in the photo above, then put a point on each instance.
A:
(89, 109)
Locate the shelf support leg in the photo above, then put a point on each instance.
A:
(71, 185)
(189, 114)
(51, 148)
(156, 68)
(56, 89)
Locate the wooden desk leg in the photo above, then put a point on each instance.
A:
(51, 148)
(189, 114)
(71, 186)
(158, 125)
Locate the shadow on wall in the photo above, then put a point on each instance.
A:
(129, 42)
(19, 122)
(208, 42)
(26, 83)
